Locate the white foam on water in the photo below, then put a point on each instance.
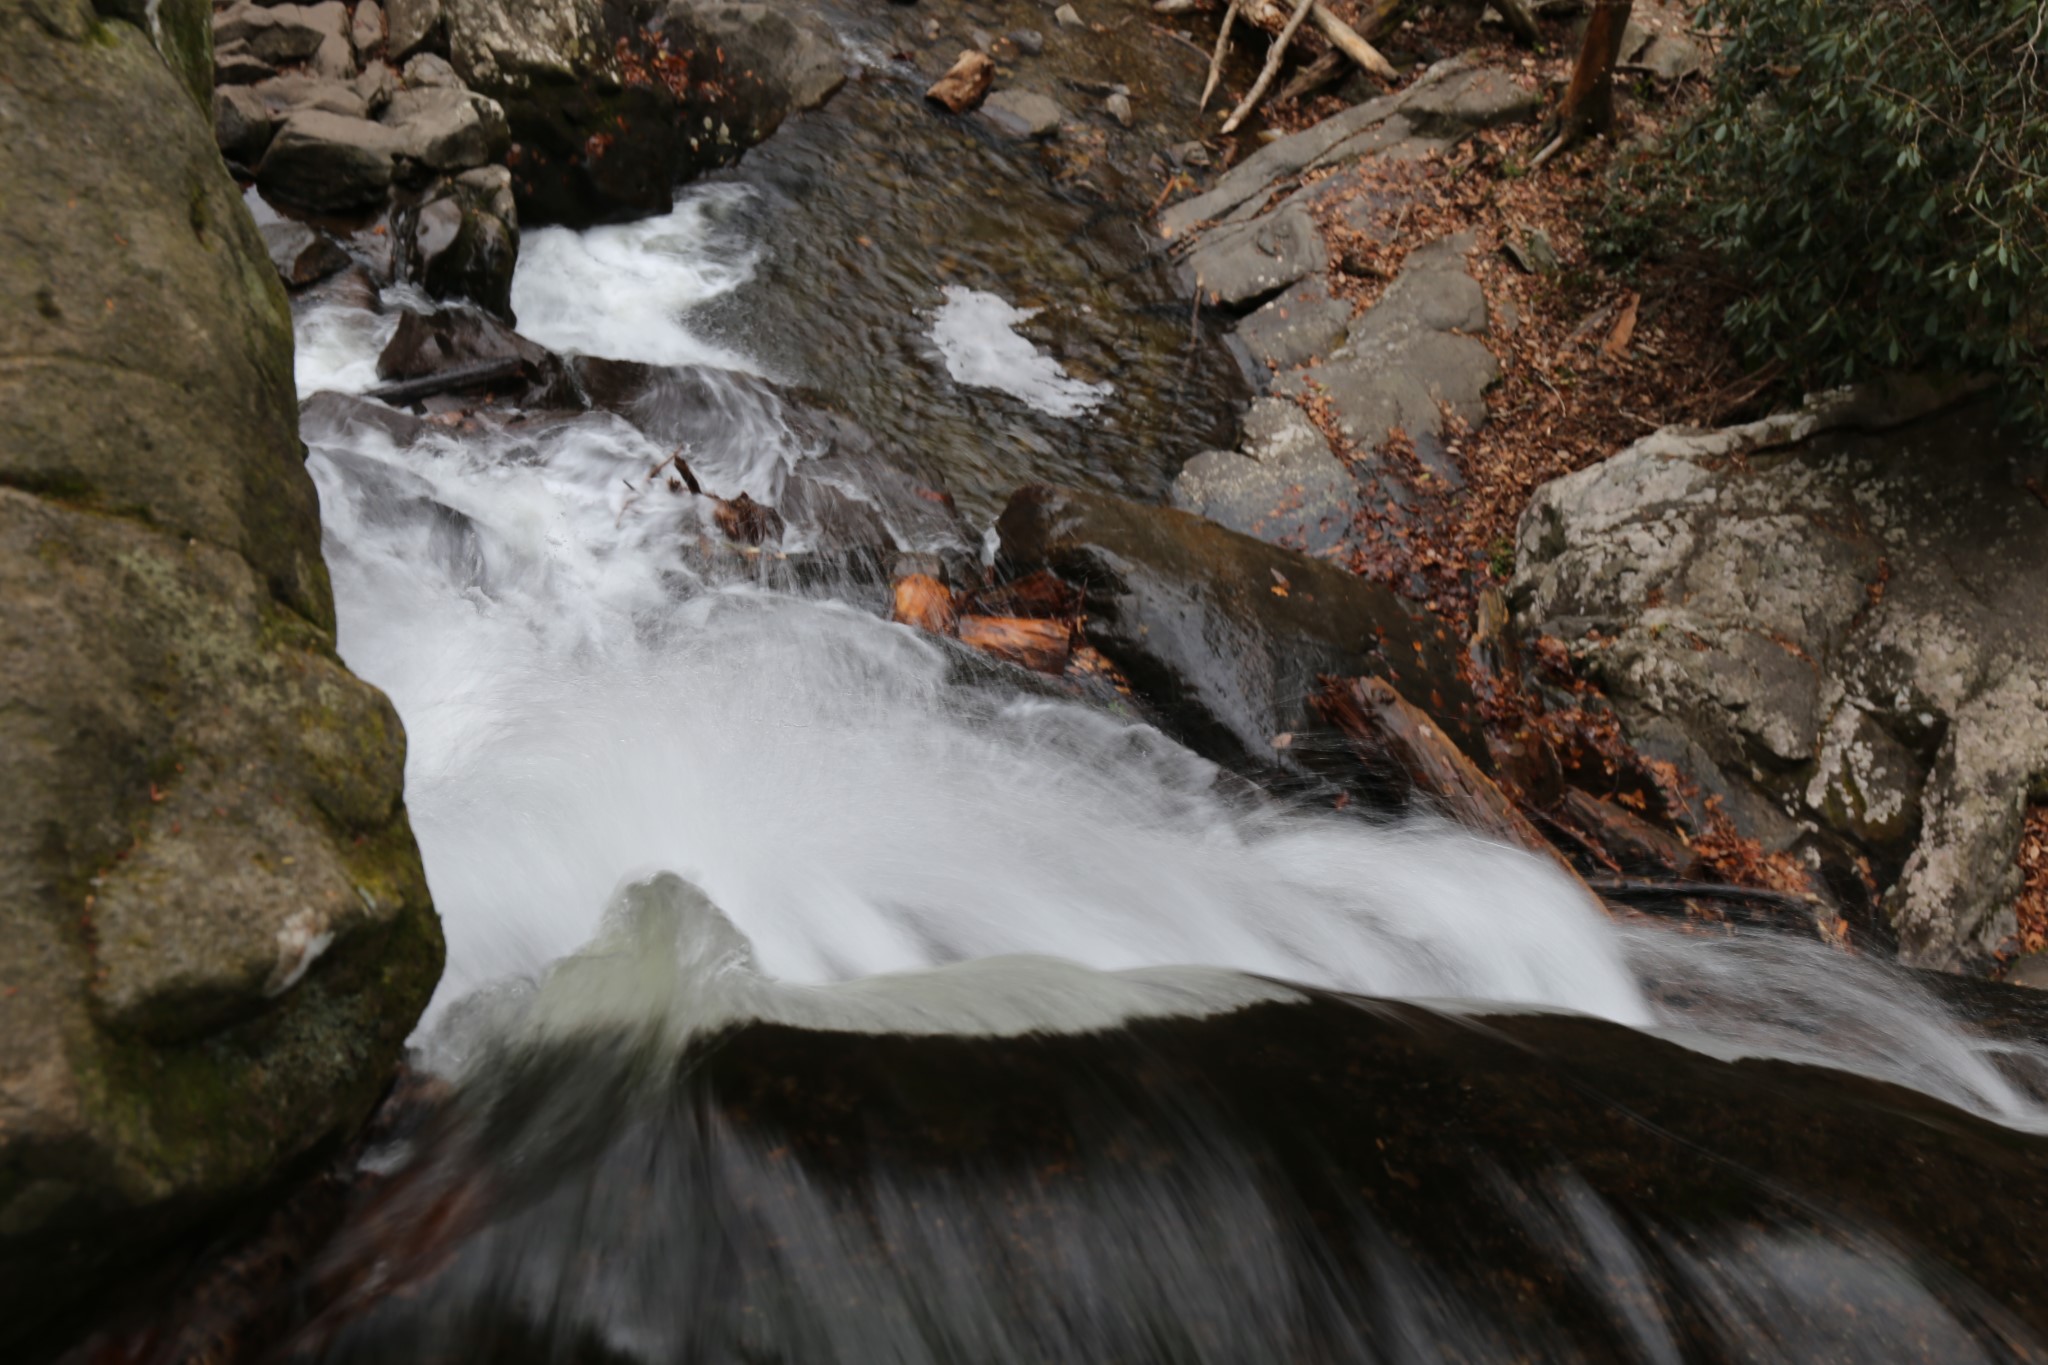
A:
(585, 713)
(974, 332)
(625, 291)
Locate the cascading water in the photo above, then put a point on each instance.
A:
(802, 816)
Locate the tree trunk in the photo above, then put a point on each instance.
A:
(1588, 105)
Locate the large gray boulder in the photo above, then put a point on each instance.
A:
(330, 163)
(214, 930)
(1837, 627)
(612, 103)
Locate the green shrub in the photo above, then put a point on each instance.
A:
(1873, 171)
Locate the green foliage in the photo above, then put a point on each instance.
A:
(1873, 170)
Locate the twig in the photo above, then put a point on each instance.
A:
(1216, 61)
(1274, 56)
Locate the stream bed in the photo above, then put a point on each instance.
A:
(816, 993)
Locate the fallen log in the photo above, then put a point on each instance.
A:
(1275, 54)
(1379, 724)
(924, 602)
(450, 380)
(1041, 646)
(1352, 44)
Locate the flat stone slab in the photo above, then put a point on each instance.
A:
(1285, 487)
(1024, 113)
(1247, 262)
(1450, 101)
(1411, 357)
(1304, 322)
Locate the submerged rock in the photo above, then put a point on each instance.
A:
(214, 930)
(1325, 1179)
(1839, 631)
(1227, 635)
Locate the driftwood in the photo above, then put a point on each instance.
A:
(1326, 69)
(455, 377)
(1352, 44)
(1041, 646)
(747, 522)
(965, 85)
(1275, 54)
(1379, 723)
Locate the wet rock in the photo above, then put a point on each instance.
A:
(1484, 1163)
(214, 930)
(447, 130)
(329, 162)
(1225, 634)
(776, 61)
(277, 33)
(1244, 263)
(241, 124)
(460, 239)
(366, 29)
(428, 344)
(235, 64)
(964, 84)
(1293, 328)
(303, 255)
(1841, 624)
(413, 24)
(1285, 486)
(1023, 113)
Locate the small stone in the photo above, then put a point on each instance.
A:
(1024, 113)
(931, 30)
(1066, 16)
(1672, 57)
(980, 38)
(964, 86)
(336, 59)
(428, 70)
(1029, 41)
(1119, 106)
(235, 64)
(413, 24)
(241, 123)
(366, 29)
(1190, 154)
(1533, 253)
(1172, 6)
(375, 86)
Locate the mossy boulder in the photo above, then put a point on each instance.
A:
(214, 929)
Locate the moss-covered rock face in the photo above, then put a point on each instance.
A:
(214, 929)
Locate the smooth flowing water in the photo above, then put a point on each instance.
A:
(660, 799)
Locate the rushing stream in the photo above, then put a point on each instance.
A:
(1039, 1042)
